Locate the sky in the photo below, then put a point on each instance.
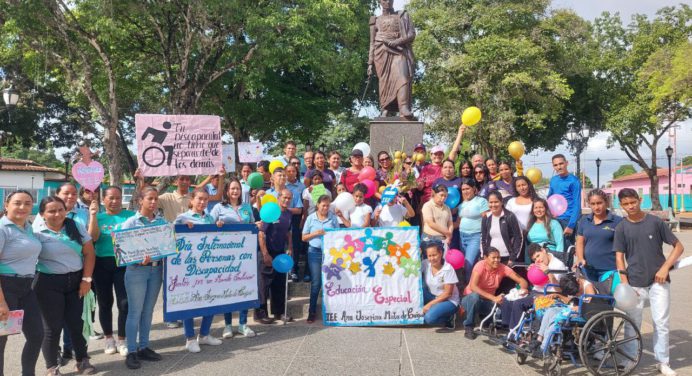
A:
(612, 157)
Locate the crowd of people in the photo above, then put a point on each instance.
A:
(500, 224)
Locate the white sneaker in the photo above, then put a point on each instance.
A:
(192, 346)
(96, 336)
(246, 331)
(122, 348)
(110, 346)
(228, 332)
(173, 324)
(665, 369)
(209, 340)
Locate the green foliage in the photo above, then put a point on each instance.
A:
(43, 156)
(342, 133)
(624, 170)
(687, 160)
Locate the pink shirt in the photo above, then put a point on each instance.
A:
(428, 174)
(488, 279)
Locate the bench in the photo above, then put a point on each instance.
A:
(667, 217)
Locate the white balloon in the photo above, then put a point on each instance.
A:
(364, 147)
(625, 297)
(344, 202)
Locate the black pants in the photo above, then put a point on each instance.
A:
(19, 295)
(299, 247)
(58, 296)
(108, 276)
(274, 285)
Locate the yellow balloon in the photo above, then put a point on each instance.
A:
(516, 150)
(273, 165)
(404, 224)
(534, 174)
(267, 198)
(382, 188)
(471, 116)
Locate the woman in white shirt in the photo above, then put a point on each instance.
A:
(359, 216)
(440, 292)
(522, 202)
(393, 213)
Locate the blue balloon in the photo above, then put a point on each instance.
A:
(453, 197)
(270, 212)
(283, 263)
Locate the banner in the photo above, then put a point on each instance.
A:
(131, 246)
(171, 145)
(214, 272)
(372, 276)
(250, 152)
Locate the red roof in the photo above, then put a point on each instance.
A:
(13, 164)
(643, 175)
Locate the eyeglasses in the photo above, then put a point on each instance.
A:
(408, 162)
(295, 163)
(479, 172)
(385, 159)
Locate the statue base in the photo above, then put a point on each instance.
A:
(390, 133)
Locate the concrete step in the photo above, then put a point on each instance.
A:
(298, 289)
(298, 307)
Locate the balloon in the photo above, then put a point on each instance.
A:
(367, 173)
(453, 197)
(404, 224)
(471, 116)
(270, 212)
(364, 147)
(267, 198)
(255, 180)
(382, 188)
(625, 297)
(344, 202)
(455, 258)
(557, 204)
(273, 165)
(536, 276)
(516, 150)
(372, 187)
(534, 174)
(282, 263)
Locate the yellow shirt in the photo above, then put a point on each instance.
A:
(173, 204)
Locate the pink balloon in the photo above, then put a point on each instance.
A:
(372, 187)
(367, 173)
(557, 204)
(536, 276)
(455, 258)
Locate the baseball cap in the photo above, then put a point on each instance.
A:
(437, 149)
(357, 153)
(419, 146)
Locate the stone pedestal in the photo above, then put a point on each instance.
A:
(390, 133)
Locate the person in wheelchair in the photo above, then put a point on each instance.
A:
(480, 292)
(572, 286)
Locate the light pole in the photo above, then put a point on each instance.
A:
(577, 139)
(308, 146)
(598, 173)
(669, 153)
(10, 96)
(67, 156)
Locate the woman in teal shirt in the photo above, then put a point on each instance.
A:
(65, 267)
(471, 211)
(543, 229)
(107, 275)
(197, 216)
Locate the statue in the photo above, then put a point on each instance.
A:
(391, 54)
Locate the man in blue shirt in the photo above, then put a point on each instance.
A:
(296, 187)
(567, 185)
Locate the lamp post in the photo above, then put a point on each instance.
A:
(323, 147)
(308, 146)
(577, 139)
(67, 156)
(669, 153)
(11, 97)
(598, 172)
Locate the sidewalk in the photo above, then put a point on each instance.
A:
(302, 349)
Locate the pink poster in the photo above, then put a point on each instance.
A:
(170, 145)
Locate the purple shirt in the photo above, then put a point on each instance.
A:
(328, 178)
(275, 233)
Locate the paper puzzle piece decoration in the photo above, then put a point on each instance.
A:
(388, 269)
(332, 271)
(410, 267)
(357, 244)
(387, 241)
(371, 242)
(354, 268)
(341, 257)
(370, 265)
(399, 252)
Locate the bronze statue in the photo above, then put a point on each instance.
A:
(391, 53)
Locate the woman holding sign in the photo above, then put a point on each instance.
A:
(232, 210)
(19, 250)
(65, 267)
(142, 283)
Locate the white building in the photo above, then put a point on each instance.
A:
(27, 174)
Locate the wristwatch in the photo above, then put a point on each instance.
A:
(87, 279)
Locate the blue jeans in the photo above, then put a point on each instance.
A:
(439, 313)
(142, 283)
(228, 317)
(475, 305)
(315, 266)
(204, 328)
(471, 245)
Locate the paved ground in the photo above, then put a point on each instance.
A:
(301, 349)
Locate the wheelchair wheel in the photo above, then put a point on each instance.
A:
(552, 361)
(604, 346)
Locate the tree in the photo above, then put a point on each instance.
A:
(687, 160)
(624, 170)
(645, 67)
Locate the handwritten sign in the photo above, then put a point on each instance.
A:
(372, 276)
(250, 152)
(88, 173)
(229, 157)
(214, 272)
(131, 246)
(170, 145)
(13, 324)
(317, 191)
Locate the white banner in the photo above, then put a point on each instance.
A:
(372, 276)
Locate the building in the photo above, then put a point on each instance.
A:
(682, 193)
(28, 175)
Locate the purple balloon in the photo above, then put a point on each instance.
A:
(557, 204)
